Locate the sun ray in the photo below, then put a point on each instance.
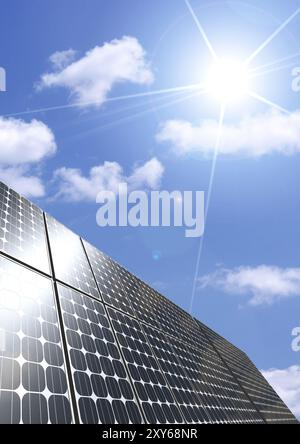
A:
(275, 62)
(142, 113)
(268, 102)
(210, 187)
(201, 29)
(270, 71)
(272, 36)
(197, 86)
(152, 101)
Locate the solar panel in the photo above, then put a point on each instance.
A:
(262, 395)
(156, 399)
(22, 231)
(33, 382)
(203, 387)
(175, 321)
(151, 307)
(143, 305)
(108, 279)
(70, 262)
(103, 391)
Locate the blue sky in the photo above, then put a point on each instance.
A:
(249, 275)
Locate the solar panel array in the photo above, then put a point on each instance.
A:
(83, 340)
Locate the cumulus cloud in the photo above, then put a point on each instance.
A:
(90, 78)
(286, 383)
(21, 180)
(24, 142)
(148, 175)
(22, 146)
(74, 186)
(264, 284)
(255, 136)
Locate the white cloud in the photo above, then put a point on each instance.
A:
(20, 180)
(264, 284)
(148, 175)
(24, 142)
(73, 186)
(262, 134)
(286, 383)
(61, 59)
(91, 78)
(22, 146)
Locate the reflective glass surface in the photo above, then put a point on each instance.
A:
(107, 274)
(69, 259)
(22, 230)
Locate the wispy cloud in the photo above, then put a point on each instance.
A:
(286, 382)
(255, 136)
(23, 145)
(74, 186)
(263, 284)
(90, 78)
(61, 59)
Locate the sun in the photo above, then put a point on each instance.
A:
(228, 80)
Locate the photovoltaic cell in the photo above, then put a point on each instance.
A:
(262, 395)
(103, 391)
(70, 262)
(33, 383)
(153, 392)
(22, 231)
(107, 275)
